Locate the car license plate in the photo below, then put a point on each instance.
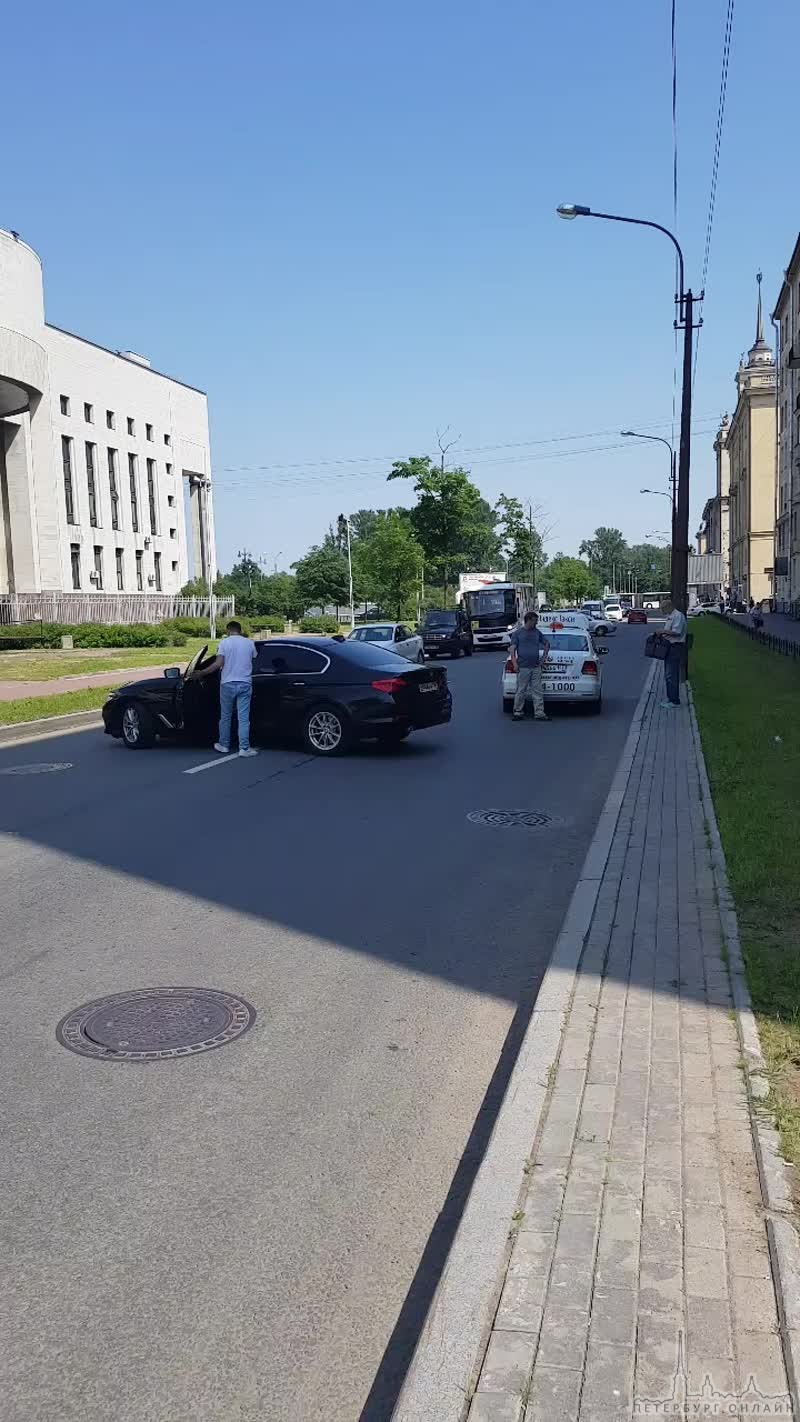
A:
(561, 686)
(428, 686)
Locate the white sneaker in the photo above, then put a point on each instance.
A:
(250, 751)
(223, 750)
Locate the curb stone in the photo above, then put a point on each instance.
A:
(446, 1364)
(773, 1171)
(22, 731)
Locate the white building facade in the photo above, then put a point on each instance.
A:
(105, 464)
(787, 481)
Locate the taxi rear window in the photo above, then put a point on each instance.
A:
(567, 641)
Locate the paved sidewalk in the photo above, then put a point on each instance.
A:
(18, 690)
(640, 1271)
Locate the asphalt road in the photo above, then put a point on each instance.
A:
(254, 1234)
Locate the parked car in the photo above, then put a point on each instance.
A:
(329, 691)
(447, 633)
(391, 637)
(571, 672)
(636, 614)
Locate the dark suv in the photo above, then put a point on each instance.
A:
(446, 633)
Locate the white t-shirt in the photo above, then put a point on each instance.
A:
(239, 653)
(676, 624)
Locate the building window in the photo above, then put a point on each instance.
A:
(75, 562)
(168, 468)
(151, 494)
(171, 498)
(167, 439)
(133, 481)
(69, 491)
(148, 432)
(63, 401)
(98, 567)
(113, 487)
(131, 426)
(91, 484)
(111, 422)
(88, 414)
(157, 569)
(173, 533)
(174, 567)
(139, 580)
(120, 571)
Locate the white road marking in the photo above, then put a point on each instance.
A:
(207, 764)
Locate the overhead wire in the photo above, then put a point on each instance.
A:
(712, 197)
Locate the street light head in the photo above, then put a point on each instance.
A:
(568, 210)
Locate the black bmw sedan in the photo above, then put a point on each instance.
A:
(329, 691)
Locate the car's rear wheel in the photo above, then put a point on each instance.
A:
(326, 731)
(138, 727)
(508, 704)
(595, 707)
(469, 649)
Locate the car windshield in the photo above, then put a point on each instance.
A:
(613, 607)
(372, 634)
(567, 641)
(440, 619)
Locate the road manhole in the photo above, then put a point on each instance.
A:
(155, 1024)
(43, 768)
(513, 819)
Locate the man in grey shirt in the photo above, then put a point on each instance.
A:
(529, 648)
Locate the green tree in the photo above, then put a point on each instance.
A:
(606, 552)
(278, 594)
(650, 564)
(569, 580)
(450, 519)
(390, 564)
(521, 542)
(321, 577)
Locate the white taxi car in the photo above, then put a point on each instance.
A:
(390, 637)
(572, 670)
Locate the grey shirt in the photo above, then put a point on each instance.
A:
(528, 645)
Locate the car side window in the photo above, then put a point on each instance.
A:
(263, 661)
(402, 634)
(296, 659)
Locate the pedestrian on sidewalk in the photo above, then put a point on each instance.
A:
(674, 634)
(234, 661)
(529, 649)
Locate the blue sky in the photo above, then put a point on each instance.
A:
(338, 219)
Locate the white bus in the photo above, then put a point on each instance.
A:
(494, 607)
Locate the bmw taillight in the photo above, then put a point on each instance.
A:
(589, 669)
(390, 684)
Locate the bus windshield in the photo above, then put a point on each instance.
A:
(500, 603)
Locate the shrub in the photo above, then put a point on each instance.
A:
(267, 624)
(324, 625)
(95, 634)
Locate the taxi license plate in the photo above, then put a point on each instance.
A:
(427, 686)
(561, 686)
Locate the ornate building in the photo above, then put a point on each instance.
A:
(750, 446)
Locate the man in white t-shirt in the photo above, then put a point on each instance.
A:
(674, 633)
(234, 661)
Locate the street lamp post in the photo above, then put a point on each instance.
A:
(685, 303)
(344, 525)
(673, 478)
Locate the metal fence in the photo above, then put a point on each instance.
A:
(109, 608)
(784, 646)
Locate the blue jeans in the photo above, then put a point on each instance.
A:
(672, 672)
(238, 694)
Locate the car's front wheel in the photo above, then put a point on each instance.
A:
(138, 727)
(326, 731)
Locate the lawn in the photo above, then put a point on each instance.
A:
(34, 708)
(42, 665)
(747, 701)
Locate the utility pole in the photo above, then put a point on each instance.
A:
(206, 516)
(680, 557)
(532, 550)
(344, 527)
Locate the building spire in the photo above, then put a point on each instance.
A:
(759, 318)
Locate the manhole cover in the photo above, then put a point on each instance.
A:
(511, 819)
(42, 769)
(155, 1024)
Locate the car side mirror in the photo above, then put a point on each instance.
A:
(172, 673)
